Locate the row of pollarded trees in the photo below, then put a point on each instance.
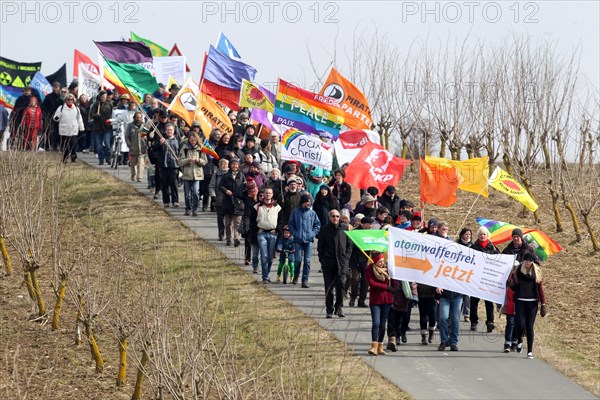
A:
(69, 238)
(519, 103)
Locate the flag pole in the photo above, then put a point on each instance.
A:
(154, 127)
(471, 209)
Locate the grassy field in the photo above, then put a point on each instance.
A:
(210, 329)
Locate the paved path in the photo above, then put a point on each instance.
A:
(478, 371)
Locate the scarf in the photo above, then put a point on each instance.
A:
(483, 244)
(380, 273)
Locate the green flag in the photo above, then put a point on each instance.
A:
(156, 49)
(369, 239)
(136, 78)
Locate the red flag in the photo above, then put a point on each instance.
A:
(375, 166)
(80, 58)
(439, 183)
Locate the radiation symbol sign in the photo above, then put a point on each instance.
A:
(5, 78)
(189, 101)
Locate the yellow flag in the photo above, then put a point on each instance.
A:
(186, 102)
(474, 171)
(503, 182)
(212, 115)
(251, 96)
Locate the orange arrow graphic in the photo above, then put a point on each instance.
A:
(413, 263)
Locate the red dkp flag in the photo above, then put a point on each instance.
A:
(375, 166)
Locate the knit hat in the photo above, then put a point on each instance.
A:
(359, 217)
(304, 197)
(366, 220)
(292, 179)
(285, 228)
(416, 215)
(234, 160)
(242, 115)
(529, 256)
(390, 189)
(406, 203)
(255, 164)
(378, 257)
(383, 210)
(366, 198)
(517, 232)
(432, 222)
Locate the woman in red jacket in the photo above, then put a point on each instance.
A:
(380, 300)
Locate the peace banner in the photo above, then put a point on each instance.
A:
(298, 146)
(439, 262)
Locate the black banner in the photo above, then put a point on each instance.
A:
(17, 74)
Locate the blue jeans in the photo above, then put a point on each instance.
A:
(510, 332)
(450, 308)
(303, 253)
(379, 314)
(266, 243)
(103, 144)
(191, 194)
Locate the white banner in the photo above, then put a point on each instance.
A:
(440, 262)
(89, 83)
(350, 143)
(164, 67)
(298, 146)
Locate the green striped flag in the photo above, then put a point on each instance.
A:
(157, 50)
(138, 80)
(369, 239)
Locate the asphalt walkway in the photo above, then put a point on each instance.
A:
(480, 370)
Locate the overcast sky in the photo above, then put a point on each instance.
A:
(274, 36)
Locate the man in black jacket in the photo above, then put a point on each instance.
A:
(334, 249)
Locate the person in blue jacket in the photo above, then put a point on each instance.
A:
(304, 225)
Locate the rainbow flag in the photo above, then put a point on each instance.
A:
(501, 232)
(289, 136)
(307, 111)
(208, 150)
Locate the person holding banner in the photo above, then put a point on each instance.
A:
(380, 300)
(449, 307)
(485, 245)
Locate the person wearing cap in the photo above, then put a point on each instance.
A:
(250, 132)
(173, 90)
(390, 200)
(526, 282)
(231, 186)
(123, 102)
(324, 203)
(289, 201)
(431, 228)
(250, 148)
(358, 264)
(274, 182)
(518, 246)
(243, 120)
(341, 189)
(265, 157)
(101, 112)
(416, 222)
(485, 245)
(367, 206)
(380, 300)
(304, 225)
(256, 174)
(334, 249)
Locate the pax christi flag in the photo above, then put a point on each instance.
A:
(375, 166)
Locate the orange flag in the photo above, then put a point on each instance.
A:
(211, 115)
(186, 101)
(357, 114)
(439, 183)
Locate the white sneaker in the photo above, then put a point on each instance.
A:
(530, 356)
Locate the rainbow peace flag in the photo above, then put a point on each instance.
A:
(208, 150)
(501, 232)
(307, 111)
(289, 136)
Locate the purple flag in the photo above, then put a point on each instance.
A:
(262, 116)
(125, 52)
